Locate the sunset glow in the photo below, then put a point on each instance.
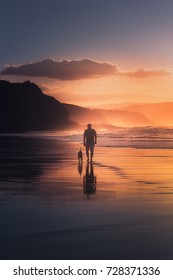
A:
(97, 92)
(125, 58)
(122, 60)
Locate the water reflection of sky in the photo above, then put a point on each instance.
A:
(45, 211)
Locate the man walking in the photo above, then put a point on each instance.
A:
(89, 140)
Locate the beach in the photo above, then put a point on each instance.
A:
(47, 213)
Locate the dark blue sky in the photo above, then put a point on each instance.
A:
(130, 33)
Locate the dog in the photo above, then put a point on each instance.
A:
(80, 155)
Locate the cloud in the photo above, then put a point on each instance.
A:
(143, 73)
(78, 69)
(63, 70)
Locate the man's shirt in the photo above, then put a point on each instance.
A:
(90, 136)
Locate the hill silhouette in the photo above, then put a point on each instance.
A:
(84, 115)
(23, 107)
(103, 117)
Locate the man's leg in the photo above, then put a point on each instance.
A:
(87, 152)
(92, 151)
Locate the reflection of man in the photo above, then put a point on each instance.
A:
(89, 180)
(89, 140)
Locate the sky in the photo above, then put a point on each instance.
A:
(92, 52)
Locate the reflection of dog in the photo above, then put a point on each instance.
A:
(80, 155)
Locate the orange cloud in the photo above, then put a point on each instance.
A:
(63, 70)
(78, 69)
(143, 73)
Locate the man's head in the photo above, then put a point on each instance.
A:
(89, 125)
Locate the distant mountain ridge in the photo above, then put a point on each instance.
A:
(125, 118)
(23, 107)
(160, 113)
(116, 118)
(84, 115)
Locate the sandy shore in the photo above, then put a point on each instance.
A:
(46, 214)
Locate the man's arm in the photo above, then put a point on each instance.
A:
(95, 142)
(84, 138)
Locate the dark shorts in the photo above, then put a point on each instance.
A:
(90, 147)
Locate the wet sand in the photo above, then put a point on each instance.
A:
(46, 214)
